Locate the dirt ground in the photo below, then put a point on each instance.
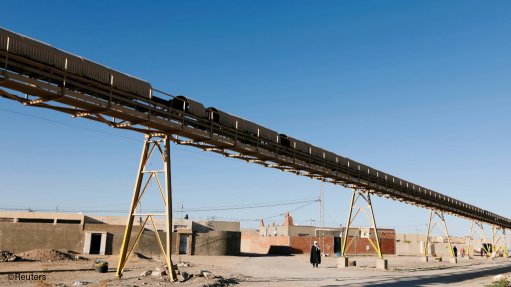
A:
(241, 271)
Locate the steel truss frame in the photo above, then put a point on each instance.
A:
(497, 239)
(431, 225)
(160, 143)
(368, 211)
(482, 235)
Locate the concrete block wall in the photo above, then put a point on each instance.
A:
(21, 237)
(409, 248)
(148, 244)
(211, 243)
(221, 225)
(217, 243)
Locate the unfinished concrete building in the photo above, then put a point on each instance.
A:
(78, 233)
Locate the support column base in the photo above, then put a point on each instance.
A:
(344, 262)
(424, 259)
(382, 264)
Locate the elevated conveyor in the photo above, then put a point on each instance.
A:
(50, 78)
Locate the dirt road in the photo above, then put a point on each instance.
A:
(244, 271)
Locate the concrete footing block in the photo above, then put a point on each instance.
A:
(382, 264)
(343, 262)
(424, 259)
(453, 260)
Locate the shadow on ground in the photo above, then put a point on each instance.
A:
(244, 254)
(448, 278)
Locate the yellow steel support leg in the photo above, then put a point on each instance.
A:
(505, 242)
(168, 209)
(482, 234)
(503, 237)
(165, 255)
(493, 242)
(378, 246)
(493, 234)
(134, 203)
(470, 238)
(348, 224)
(446, 233)
(427, 243)
(135, 242)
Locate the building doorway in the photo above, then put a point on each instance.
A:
(95, 243)
(183, 244)
(337, 245)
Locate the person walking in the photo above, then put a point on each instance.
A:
(455, 251)
(315, 255)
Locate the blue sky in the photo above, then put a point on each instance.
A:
(419, 89)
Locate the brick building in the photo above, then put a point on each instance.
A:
(293, 239)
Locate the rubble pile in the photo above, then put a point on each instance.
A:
(48, 255)
(6, 256)
(195, 277)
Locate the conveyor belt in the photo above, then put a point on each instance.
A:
(49, 86)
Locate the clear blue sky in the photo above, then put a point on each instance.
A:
(419, 89)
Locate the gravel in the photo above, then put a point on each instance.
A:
(48, 255)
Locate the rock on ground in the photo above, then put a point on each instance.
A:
(6, 256)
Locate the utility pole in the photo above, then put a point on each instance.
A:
(322, 205)
(321, 214)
